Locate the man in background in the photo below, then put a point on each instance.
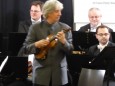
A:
(35, 16)
(94, 16)
(102, 35)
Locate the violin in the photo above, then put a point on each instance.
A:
(53, 41)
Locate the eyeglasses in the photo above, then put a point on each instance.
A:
(101, 34)
(94, 17)
(35, 11)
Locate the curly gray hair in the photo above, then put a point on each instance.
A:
(51, 5)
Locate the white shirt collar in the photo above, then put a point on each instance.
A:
(101, 47)
(93, 29)
(33, 21)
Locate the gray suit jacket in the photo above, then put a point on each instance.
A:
(54, 67)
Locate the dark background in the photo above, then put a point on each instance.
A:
(13, 11)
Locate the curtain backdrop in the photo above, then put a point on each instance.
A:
(13, 11)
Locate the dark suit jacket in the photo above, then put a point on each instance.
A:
(94, 51)
(24, 26)
(87, 27)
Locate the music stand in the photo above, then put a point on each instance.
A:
(107, 54)
(16, 65)
(15, 42)
(13, 67)
(83, 40)
(105, 60)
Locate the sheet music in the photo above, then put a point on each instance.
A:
(3, 63)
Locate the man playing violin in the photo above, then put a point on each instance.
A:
(49, 41)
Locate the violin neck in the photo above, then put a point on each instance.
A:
(52, 38)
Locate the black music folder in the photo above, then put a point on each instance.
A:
(15, 42)
(14, 66)
(105, 58)
(83, 40)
